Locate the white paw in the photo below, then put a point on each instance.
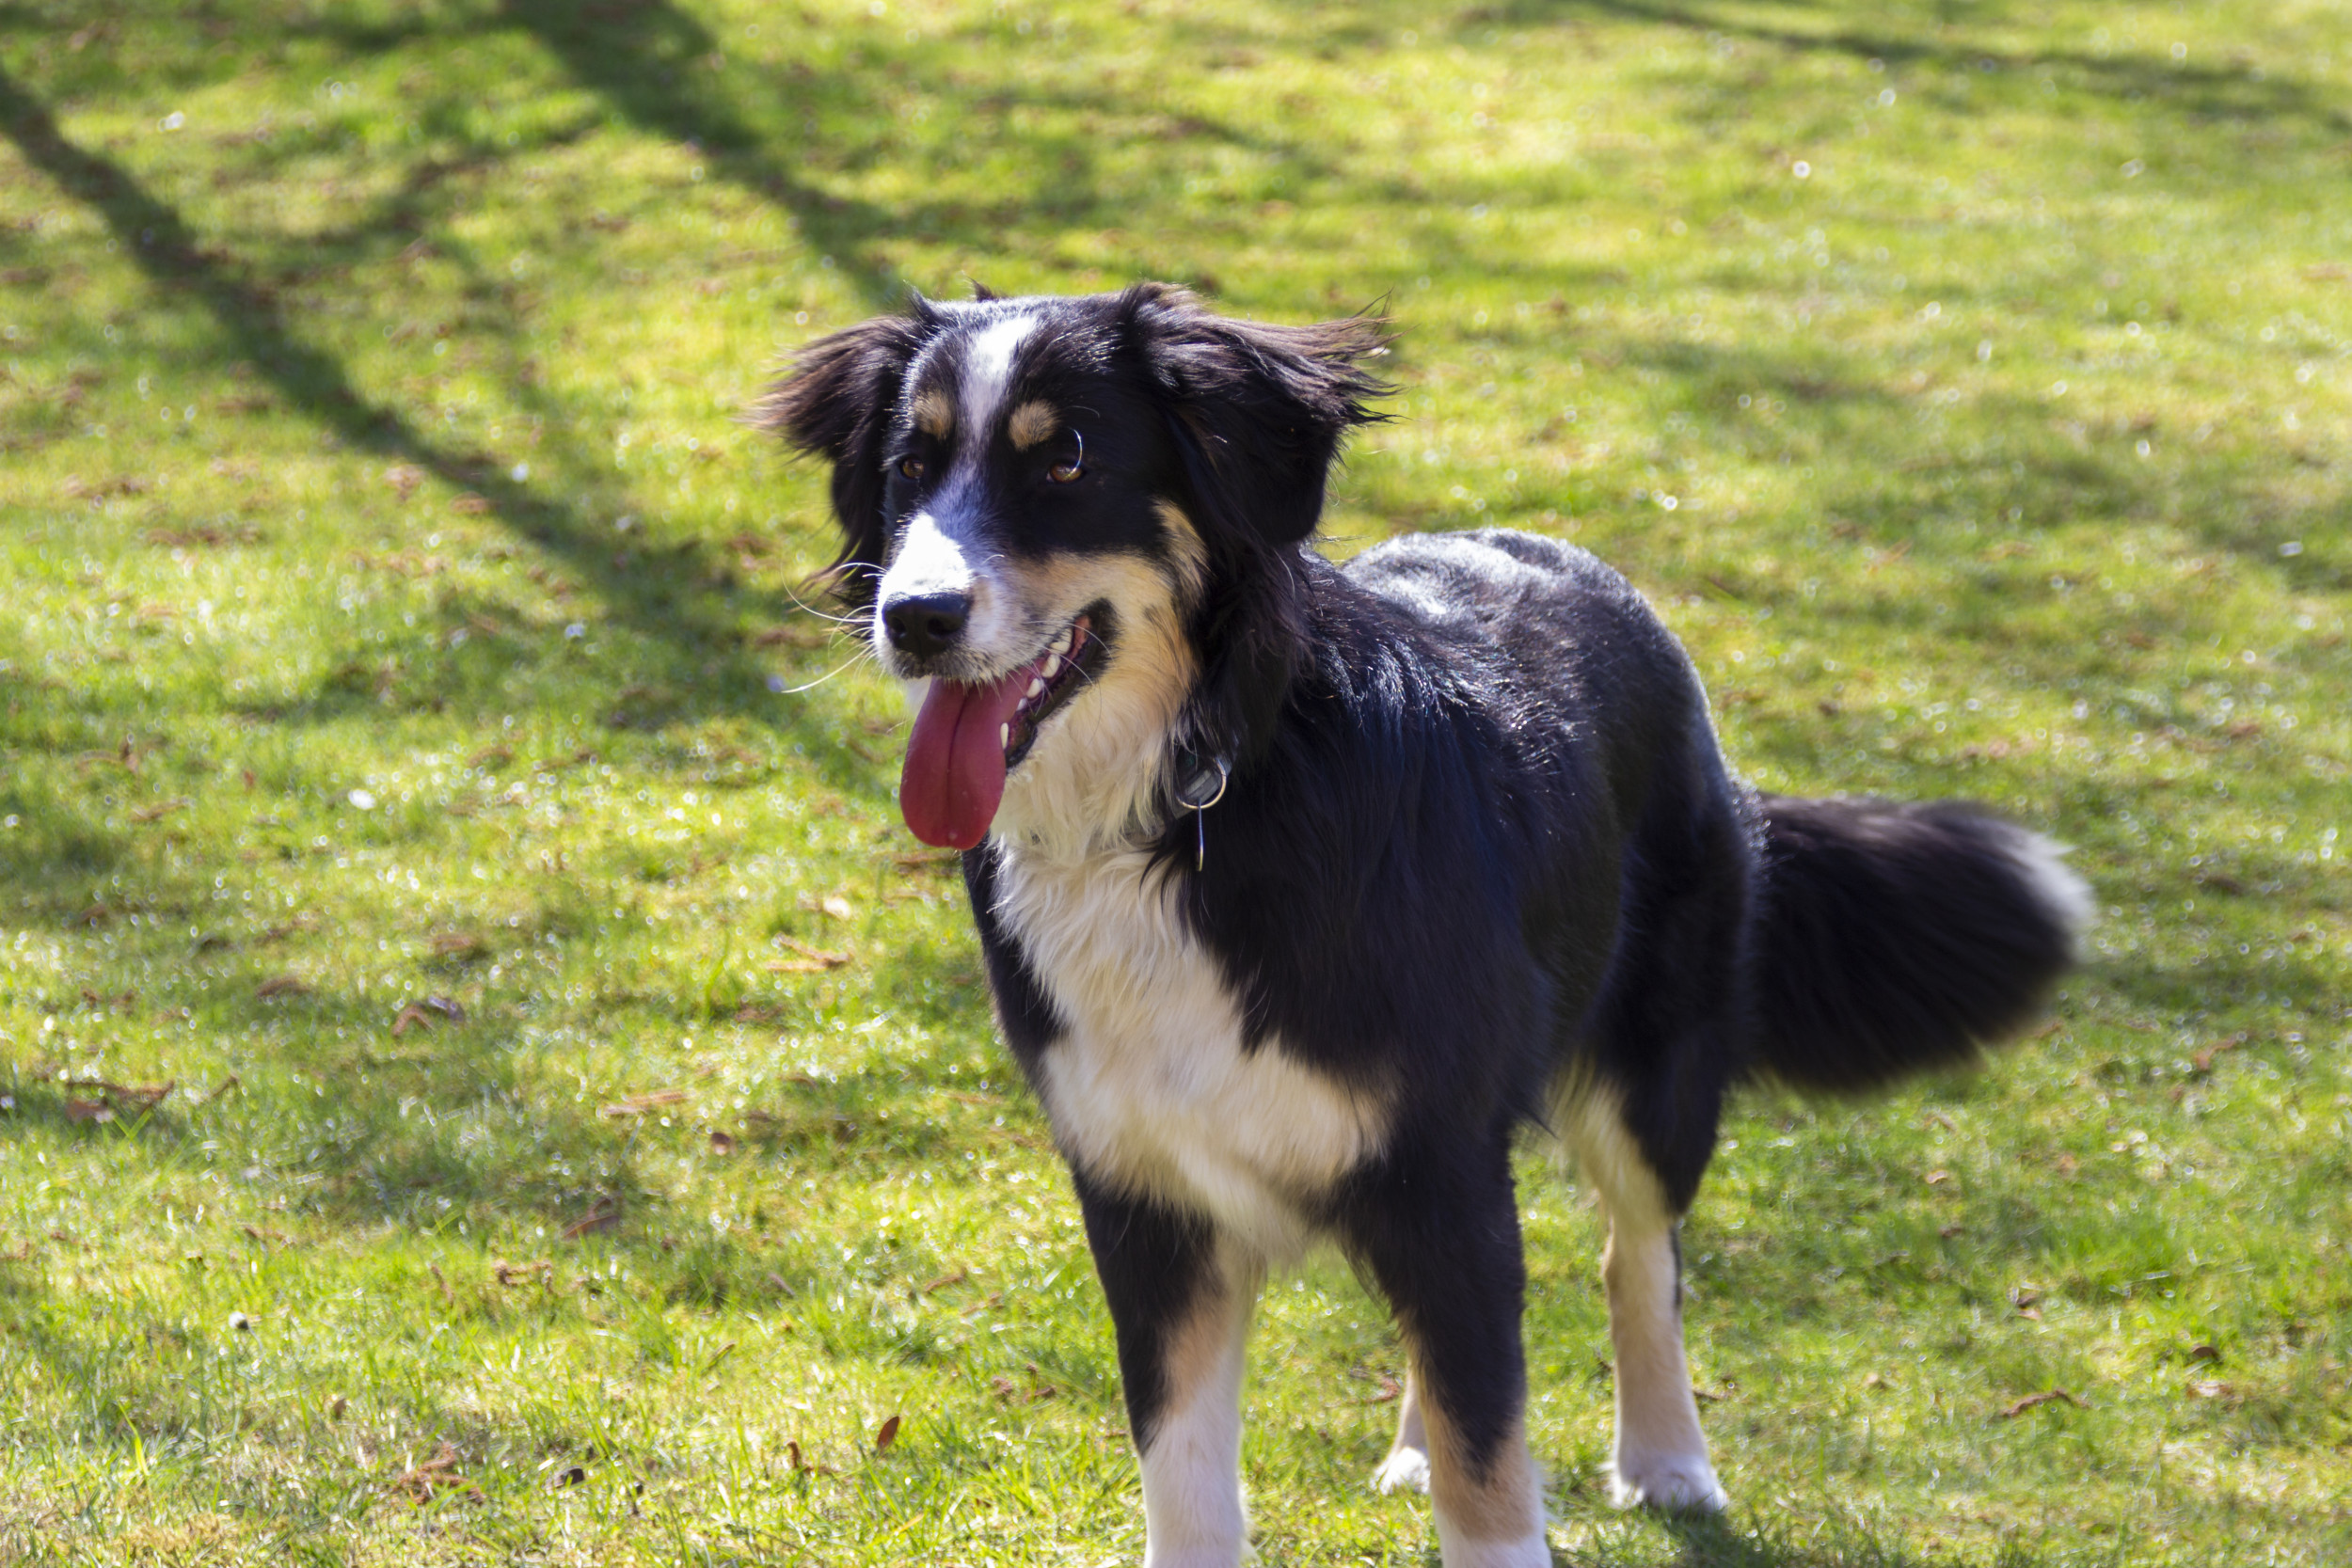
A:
(1673, 1483)
(1403, 1470)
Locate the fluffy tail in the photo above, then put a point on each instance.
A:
(1895, 938)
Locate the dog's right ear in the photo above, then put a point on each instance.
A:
(1258, 411)
(837, 402)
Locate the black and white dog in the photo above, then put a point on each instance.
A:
(1303, 887)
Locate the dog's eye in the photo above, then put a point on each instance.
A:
(911, 466)
(1065, 473)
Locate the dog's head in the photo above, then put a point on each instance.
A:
(1069, 516)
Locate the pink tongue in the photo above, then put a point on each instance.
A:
(955, 769)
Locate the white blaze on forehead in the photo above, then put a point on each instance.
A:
(987, 369)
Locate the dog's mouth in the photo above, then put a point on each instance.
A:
(969, 736)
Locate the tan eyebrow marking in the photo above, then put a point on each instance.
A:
(1031, 423)
(934, 413)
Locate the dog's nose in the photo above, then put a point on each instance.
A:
(927, 625)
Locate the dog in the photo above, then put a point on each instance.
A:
(1302, 887)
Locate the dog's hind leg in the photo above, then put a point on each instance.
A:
(1661, 1454)
(1440, 1237)
(1179, 1302)
(1407, 1468)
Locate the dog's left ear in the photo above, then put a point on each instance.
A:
(837, 402)
(1259, 410)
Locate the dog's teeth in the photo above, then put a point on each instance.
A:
(1036, 683)
(1004, 735)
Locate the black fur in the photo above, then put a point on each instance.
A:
(1479, 847)
(1894, 940)
(837, 405)
(1156, 1263)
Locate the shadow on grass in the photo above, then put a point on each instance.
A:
(1704, 1541)
(664, 598)
(2198, 94)
(652, 62)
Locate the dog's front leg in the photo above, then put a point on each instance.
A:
(1443, 1246)
(1179, 1302)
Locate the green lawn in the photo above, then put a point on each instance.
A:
(584, 1129)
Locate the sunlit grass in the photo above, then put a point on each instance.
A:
(402, 625)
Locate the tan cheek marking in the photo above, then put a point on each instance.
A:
(1031, 423)
(934, 414)
(1141, 592)
(1502, 1504)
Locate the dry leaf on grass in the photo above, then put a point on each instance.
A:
(887, 1436)
(606, 1215)
(2048, 1396)
(812, 960)
(803, 1467)
(458, 946)
(425, 1011)
(928, 859)
(129, 1100)
(2204, 1058)
(540, 1271)
(422, 1483)
(282, 984)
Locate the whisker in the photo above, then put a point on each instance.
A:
(807, 607)
(796, 690)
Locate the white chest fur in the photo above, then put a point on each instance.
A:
(1151, 1089)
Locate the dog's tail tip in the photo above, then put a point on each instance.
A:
(2057, 887)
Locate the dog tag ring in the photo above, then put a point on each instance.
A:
(1204, 783)
(1201, 786)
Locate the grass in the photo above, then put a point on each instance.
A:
(397, 611)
